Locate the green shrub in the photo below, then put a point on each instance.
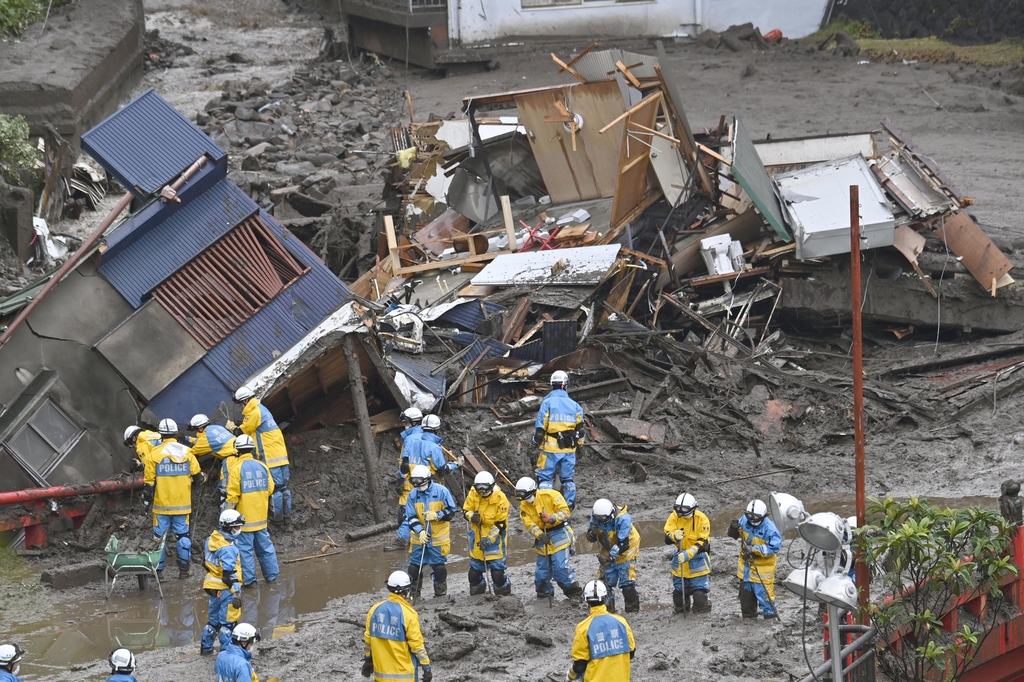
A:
(16, 154)
(15, 15)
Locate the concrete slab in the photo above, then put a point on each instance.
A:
(73, 575)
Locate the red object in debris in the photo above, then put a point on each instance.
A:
(35, 494)
(773, 36)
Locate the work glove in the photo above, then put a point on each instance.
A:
(236, 601)
(147, 494)
(404, 468)
(230, 425)
(459, 461)
(603, 559)
(137, 465)
(591, 535)
(678, 536)
(473, 517)
(367, 667)
(734, 529)
(538, 436)
(430, 515)
(427, 675)
(543, 538)
(547, 518)
(704, 547)
(199, 478)
(423, 537)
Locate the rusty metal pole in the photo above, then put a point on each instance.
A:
(863, 577)
(355, 380)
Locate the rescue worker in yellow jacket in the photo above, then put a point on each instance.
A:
(430, 508)
(603, 644)
(259, 424)
(223, 582)
(760, 542)
(689, 530)
(393, 640)
(249, 488)
(613, 528)
(170, 470)
(142, 443)
(213, 439)
(486, 510)
(545, 515)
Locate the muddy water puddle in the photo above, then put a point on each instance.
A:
(82, 629)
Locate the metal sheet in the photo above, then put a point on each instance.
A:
(559, 337)
(911, 185)
(817, 201)
(582, 265)
(466, 315)
(599, 65)
(197, 391)
(418, 369)
(749, 171)
(148, 143)
(807, 150)
(669, 168)
(150, 349)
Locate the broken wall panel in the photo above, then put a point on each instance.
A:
(979, 255)
(634, 160)
(749, 171)
(589, 172)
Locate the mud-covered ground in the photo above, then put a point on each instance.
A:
(973, 130)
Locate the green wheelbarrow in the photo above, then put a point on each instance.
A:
(140, 564)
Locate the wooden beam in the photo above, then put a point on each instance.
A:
(639, 105)
(712, 153)
(581, 55)
(567, 68)
(629, 76)
(355, 380)
(449, 263)
(389, 230)
(655, 132)
(514, 324)
(506, 216)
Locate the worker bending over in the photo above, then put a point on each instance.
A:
(545, 515)
(612, 527)
(142, 443)
(259, 424)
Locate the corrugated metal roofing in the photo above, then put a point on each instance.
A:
(418, 369)
(277, 326)
(599, 65)
(160, 252)
(148, 143)
(487, 347)
(468, 315)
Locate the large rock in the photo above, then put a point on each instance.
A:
(16, 218)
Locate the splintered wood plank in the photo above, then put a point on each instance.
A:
(980, 256)
(634, 160)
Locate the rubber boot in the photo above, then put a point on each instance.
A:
(503, 591)
(574, 592)
(441, 589)
(610, 603)
(478, 589)
(679, 605)
(397, 545)
(631, 598)
(701, 604)
(183, 570)
(748, 603)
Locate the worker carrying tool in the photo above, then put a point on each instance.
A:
(210, 439)
(760, 541)
(249, 489)
(259, 424)
(393, 642)
(603, 645)
(167, 486)
(689, 530)
(429, 509)
(10, 662)
(559, 430)
(142, 443)
(122, 665)
(545, 515)
(486, 510)
(234, 662)
(412, 431)
(612, 527)
(223, 581)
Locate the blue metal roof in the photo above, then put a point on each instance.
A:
(151, 259)
(418, 369)
(148, 143)
(277, 326)
(489, 348)
(196, 391)
(469, 315)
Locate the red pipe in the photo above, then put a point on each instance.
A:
(36, 494)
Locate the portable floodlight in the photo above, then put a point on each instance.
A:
(786, 511)
(824, 531)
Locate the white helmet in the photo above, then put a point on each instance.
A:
(168, 427)
(685, 504)
(130, 434)
(559, 379)
(244, 395)
(413, 414)
(244, 633)
(231, 520)
(431, 422)
(245, 443)
(199, 422)
(595, 592)
(121, 662)
(526, 488)
(484, 484)
(420, 477)
(10, 654)
(399, 582)
(603, 510)
(755, 513)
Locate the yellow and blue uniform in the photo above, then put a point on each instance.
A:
(222, 584)
(117, 677)
(437, 499)
(762, 543)
(620, 543)
(394, 640)
(691, 565)
(169, 471)
(488, 548)
(217, 441)
(249, 488)
(258, 423)
(602, 647)
(418, 447)
(560, 546)
(561, 420)
(233, 665)
(145, 441)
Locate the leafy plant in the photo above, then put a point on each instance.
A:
(16, 154)
(15, 15)
(935, 560)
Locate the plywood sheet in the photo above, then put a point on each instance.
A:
(589, 172)
(634, 160)
(980, 256)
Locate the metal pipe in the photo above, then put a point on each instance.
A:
(853, 647)
(36, 494)
(835, 654)
(863, 578)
